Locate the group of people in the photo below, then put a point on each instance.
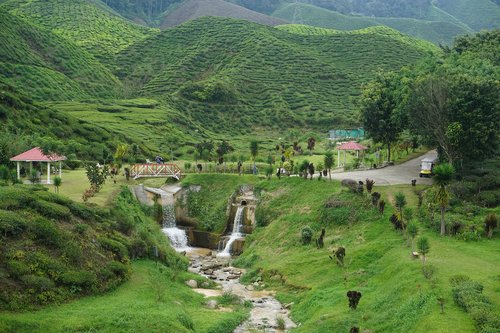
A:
(159, 159)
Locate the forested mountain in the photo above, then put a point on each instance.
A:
(438, 21)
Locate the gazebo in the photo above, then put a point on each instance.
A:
(351, 145)
(37, 155)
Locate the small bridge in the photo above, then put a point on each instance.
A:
(155, 170)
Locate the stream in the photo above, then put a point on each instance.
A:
(266, 309)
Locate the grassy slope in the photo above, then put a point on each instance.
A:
(436, 29)
(30, 123)
(47, 256)
(396, 296)
(87, 24)
(47, 66)
(129, 308)
(276, 78)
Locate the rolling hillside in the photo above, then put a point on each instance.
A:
(436, 31)
(48, 66)
(193, 9)
(236, 73)
(92, 26)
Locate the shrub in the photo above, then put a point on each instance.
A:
(4, 173)
(490, 223)
(52, 210)
(82, 279)
(11, 224)
(114, 246)
(46, 232)
(118, 269)
(73, 164)
(306, 235)
(37, 283)
(264, 215)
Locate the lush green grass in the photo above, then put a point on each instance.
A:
(435, 29)
(132, 307)
(89, 25)
(396, 295)
(48, 66)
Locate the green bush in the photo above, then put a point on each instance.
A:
(306, 235)
(46, 232)
(11, 224)
(52, 210)
(114, 246)
(118, 269)
(17, 268)
(82, 279)
(264, 215)
(37, 283)
(468, 294)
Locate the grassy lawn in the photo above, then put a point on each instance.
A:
(75, 182)
(132, 307)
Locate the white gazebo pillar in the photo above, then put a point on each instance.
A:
(48, 173)
(18, 171)
(338, 159)
(31, 168)
(357, 153)
(60, 169)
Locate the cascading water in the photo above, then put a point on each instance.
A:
(238, 219)
(178, 238)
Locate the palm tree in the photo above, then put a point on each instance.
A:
(329, 161)
(443, 174)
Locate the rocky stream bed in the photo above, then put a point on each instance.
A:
(267, 312)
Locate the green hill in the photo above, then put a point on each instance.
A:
(477, 14)
(219, 70)
(92, 26)
(192, 9)
(25, 123)
(48, 66)
(436, 29)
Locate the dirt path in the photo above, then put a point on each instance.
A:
(392, 175)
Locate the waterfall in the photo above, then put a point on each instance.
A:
(238, 219)
(178, 238)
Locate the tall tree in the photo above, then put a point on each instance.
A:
(443, 175)
(381, 111)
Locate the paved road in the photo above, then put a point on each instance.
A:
(392, 175)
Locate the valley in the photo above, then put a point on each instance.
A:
(249, 166)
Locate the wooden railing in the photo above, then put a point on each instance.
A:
(155, 170)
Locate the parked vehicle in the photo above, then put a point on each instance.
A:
(427, 167)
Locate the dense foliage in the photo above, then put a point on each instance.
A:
(53, 249)
(452, 102)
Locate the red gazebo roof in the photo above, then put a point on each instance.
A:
(37, 155)
(351, 145)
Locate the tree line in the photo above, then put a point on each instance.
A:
(450, 101)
